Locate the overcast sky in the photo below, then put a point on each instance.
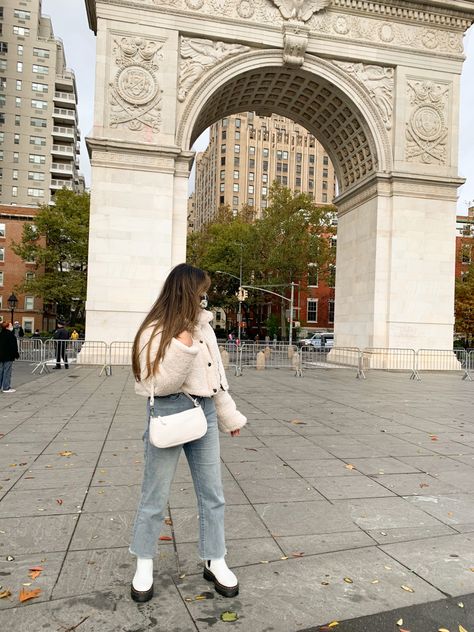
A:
(70, 22)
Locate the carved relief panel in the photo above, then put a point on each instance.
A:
(134, 92)
(427, 130)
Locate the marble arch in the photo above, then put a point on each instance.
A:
(376, 81)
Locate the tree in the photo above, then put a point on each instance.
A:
(464, 306)
(57, 242)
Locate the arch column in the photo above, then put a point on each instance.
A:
(395, 263)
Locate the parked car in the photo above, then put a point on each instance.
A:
(318, 341)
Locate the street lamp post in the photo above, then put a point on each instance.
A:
(12, 303)
(239, 278)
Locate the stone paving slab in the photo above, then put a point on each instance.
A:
(338, 494)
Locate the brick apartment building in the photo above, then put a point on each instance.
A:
(29, 310)
(464, 242)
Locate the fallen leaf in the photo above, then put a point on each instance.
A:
(450, 514)
(297, 422)
(26, 595)
(424, 485)
(26, 583)
(442, 630)
(461, 629)
(35, 571)
(10, 558)
(251, 449)
(168, 521)
(460, 604)
(229, 617)
(400, 622)
(374, 581)
(433, 438)
(333, 624)
(4, 594)
(166, 538)
(348, 580)
(403, 630)
(182, 576)
(472, 569)
(324, 583)
(407, 588)
(203, 596)
(263, 561)
(284, 557)
(59, 501)
(349, 466)
(298, 554)
(66, 453)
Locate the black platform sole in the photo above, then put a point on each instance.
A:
(141, 596)
(225, 591)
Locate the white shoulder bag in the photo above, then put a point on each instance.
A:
(179, 428)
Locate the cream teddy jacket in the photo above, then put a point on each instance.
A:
(196, 370)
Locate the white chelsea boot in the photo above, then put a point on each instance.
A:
(224, 580)
(142, 583)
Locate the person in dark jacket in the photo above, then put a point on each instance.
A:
(61, 335)
(8, 354)
(18, 330)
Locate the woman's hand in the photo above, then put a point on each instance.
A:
(235, 433)
(186, 338)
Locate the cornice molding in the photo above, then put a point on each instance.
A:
(91, 15)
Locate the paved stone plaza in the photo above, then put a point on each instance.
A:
(339, 491)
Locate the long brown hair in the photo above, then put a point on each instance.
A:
(175, 310)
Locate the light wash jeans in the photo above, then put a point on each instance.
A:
(5, 375)
(203, 456)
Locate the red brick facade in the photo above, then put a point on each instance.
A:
(13, 271)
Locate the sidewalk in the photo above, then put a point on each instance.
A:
(340, 492)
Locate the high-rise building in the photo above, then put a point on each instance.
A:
(247, 153)
(39, 133)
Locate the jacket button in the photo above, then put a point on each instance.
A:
(215, 390)
(209, 364)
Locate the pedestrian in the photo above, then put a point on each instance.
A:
(61, 334)
(74, 335)
(18, 330)
(175, 355)
(37, 334)
(8, 354)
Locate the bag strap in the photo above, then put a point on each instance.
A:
(152, 399)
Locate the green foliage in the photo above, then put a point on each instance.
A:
(272, 324)
(57, 243)
(464, 305)
(275, 248)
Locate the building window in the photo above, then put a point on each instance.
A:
(1, 278)
(22, 15)
(29, 302)
(16, 139)
(312, 310)
(331, 310)
(236, 149)
(3, 83)
(236, 187)
(3, 47)
(325, 160)
(16, 157)
(466, 254)
(2, 137)
(223, 148)
(29, 277)
(17, 120)
(285, 155)
(235, 201)
(224, 134)
(251, 188)
(325, 173)
(2, 254)
(250, 202)
(2, 232)
(36, 175)
(18, 102)
(299, 157)
(38, 104)
(266, 152)
(19, 49)
(325, 198)
(264, 190)
(298, 182)
(15, 174)
(237, 135)
(236, 175)
(310, 184)
(223, 162)
(252, 163)
(236, 161)
(332, 276)
(38, 122)
(40, 141)
(225, 122)
(3, 100)
(325, 185)
(313, 280)
(223, 174)
(3, 64)
(311, 159)
(41, 52)
(222, 187)
(39, 87)
(265, 165)
(42, 70)
(21, 30)
(252, 150)
(251, 176)
(265, 178)
(37, 159)
(36, 192)
(19, 66)
(311, 172)
(28, 324)
(18, 84)
(1, 154)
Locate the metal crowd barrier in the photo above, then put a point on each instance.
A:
(446, 360)
(387, 359)
(120, 354)
(230, 354)
(62, 353)
(332, 358)
(30, 350)
(275, 355)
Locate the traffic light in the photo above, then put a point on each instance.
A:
(245, 295)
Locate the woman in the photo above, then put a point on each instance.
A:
(175, 352)
(8, 354)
